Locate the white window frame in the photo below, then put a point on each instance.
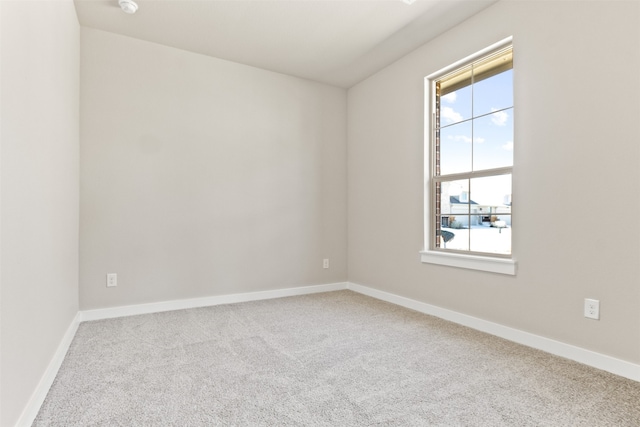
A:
(487, 263)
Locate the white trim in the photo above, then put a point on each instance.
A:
(472, 262)
(597, 360)
(156, 307)
(40, 393)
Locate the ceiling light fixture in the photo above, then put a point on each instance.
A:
(128, 6)
(408, 1)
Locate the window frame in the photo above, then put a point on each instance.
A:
(499, 263)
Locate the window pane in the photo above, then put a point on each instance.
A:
(455, 106)
(445, 234)
(493, 141)
(454, 205)
(491, 222)
(492, 239)
(454, 198)
(455, 149)
(494, 93)
(455, 238)
(492, 192)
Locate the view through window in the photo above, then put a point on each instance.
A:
(472, 157)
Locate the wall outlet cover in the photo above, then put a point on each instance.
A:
(592, 308)
(112, 280)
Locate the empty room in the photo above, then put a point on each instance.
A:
(319, 212)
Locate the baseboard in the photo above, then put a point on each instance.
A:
(568, 351)
(37, 398)
(156, 307)
(587, 357)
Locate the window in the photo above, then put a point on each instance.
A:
(469, 162)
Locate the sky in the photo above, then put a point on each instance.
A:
(480, 143)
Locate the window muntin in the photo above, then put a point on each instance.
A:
(472, 157)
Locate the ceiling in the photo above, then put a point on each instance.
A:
(339, 42)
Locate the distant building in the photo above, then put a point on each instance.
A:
(460, 211)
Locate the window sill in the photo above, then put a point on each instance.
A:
(472, 262)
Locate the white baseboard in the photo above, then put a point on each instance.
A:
(568, 351)
(37, 398)
(587, 357)
(157, 307)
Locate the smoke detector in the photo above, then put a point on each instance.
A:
(128, 6)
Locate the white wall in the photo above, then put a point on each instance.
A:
(203, 177)
(577, 104)
(39, 191)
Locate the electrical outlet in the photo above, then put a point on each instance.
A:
(112, 280)
(592, 308)
(325, 263)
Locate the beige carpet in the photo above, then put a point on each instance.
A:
(331, 359)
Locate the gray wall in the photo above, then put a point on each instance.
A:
(39, 191)
(203, 177)
(577, 92)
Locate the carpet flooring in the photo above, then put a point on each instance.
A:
(330, 359)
